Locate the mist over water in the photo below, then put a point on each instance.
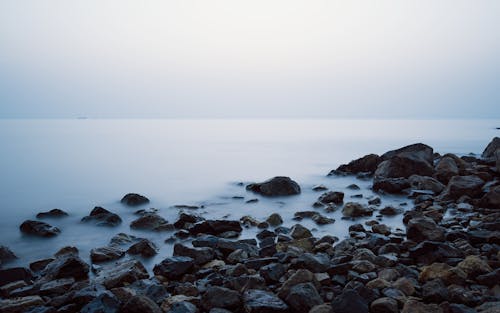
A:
(75, 165)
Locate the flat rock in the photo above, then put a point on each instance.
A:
(276, 186)
(38, 228)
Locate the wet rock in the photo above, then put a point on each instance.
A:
(391, 185)
(52, 214)
(474, 266)
(319, 188)
(40, 229)
(354, 209)
(6, 255)
(66, 266)
(404, 166)
(375, 201)
(274, 220)
(17, 305)
(381, 229)
(299, 232)
(418, 150)
(199, 255)
(426, 183)
(272, 273)
(448, 274)
(13, 274)
(134, 199)
(316, 263)
(446, 168)
(459, 186)
(122, 273)
(260, 301)
(349, 301)
(493, 146)
(492, 198)
(103, 217)
(220, 297)
(489, 279)
(104, 302)
(434, 291)
(303, 297)
(315, 216)
(122, 239)
(424, 228)
(186, 221)
(174, 267)
(366, 164)
(215, 227)
(105, 254)
(56, 287)
(384, 305)
(414, 306)
(332, 197)
(144, 247)
(300, 276)
(428, 252)
(152, 222)
(277, 186)
(183, 307)
(390, 210)
(140, 304)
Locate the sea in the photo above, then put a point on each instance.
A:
(77, 164)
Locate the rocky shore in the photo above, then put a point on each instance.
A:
(447, 260)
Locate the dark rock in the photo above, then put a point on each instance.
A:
(66, 266)
(335, 197)
(303, 297)
(491, 199)
(446, 169)
(384, 305)
(39, 229)
(350, 302)
(493, 146)
(140, 304)
(220, 297)
(133, 199)
(183, 307)
(272, 273)
(52, 213)
(390, 210)
(144, 247)
(418, 150)
(260, 301)
(104, 302)
(489, 279)
(391, 185)
(434, 291)
(299, 232)
(174, 267)
(6, 255)
(153, 222)
(56, 287)
(430, 251)
(459, 186)
(199, 255)
(274, 220)
(186, 220)
(13, 274)
(122, 273)
(426, 183)
(103, 217)
(105, 254)
(17, 305)
(39, 265)
(122, 239)
(424, 228)
(277, 186)
(215, 227)
(319, 188)
(375, 201)
(316, 263)
(353, 209)
(366, 164)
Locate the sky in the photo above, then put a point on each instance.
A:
(249, 59)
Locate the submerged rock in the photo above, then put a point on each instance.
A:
(277, 186)
(153, 222)
(354, 209)
(335, 197)
(134, 199)
(39, 229)
(52, 213)
(103, 217)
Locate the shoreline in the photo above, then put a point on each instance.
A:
(446, 258)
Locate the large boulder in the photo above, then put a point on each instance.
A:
(462, 186)
(391, 185)
(366, 164)
(102, 217)
(426, 183)
(134, 199)
(446, 168)
(492, 198)
(40, 229)
(491, 149)
(276, 186)
(424, 228)
(404, 162)
(417, 150)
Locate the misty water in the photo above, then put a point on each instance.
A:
(75, 165)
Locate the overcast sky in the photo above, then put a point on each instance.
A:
(259, 58)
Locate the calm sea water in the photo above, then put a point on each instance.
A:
(75, 165)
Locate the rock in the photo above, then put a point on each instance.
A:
(174, 267)
(413, 306)
(446, 168)
(104, 302)
(105, 254)
(493, 146)
(449, 275)
(381, 229)
(418, 150)
(215, 227)
(335, 197)
(151, 221)
(186, 221)
(391, 185)
(489, 279)
(375, 201)
(424, 228)
(354, 209)
(40, 229)
(272, 273)
(274, 220)
(183, 307)
(366, 164)
(122, 239)
(303, 297)
(300, 276)
(428, 252)
(474, 266)
(14, 274)
(140, 304)
(406, 285)
(56, 287)
(103, 217)
(66, 266)
(277, 186)
(122, 273)
(349, 301)
(390, 210)
(144, 247)
(459, 186)
(299, 232)
(17, 305)
(52, 214)
(322, 308)
(6, 255)
(319, 188)
(220, 297)
(384, 305)
(426, 183)
(260, 301)
(434, 291)
(316, 263)
(492, 198)
(133, 199)
(199, 255)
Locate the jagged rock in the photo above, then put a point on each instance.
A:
(260, 301)
(300, 276)
(424, 228)
(493, 146)
(303, 297)
(103, 217)
(215, 227)
(220, 297)
(105, 254)
(134, 199)
(199, 255)
(56, 287)
(335, 197)
(52, 213)
(186, 221)
(122, 239)
(40, 229)
(366, 164)
(354, 209)
(140, 304)
(13, 274)
(144, 247)
(277, 186)
(152, 221)
(174, 267)
(459, 186)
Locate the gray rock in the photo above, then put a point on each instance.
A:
(272, 273)
(260, 301)
(66, 266)
(303, 297)
(122, 273)
(174, 267)
(140, 304)
(354, 209)
(493, 146)
(391, 185)
(144, 247)
(459, 186)
(104, 254)
(418, 150)
(335, 197)
(277, 186)
(220, 297)
(426, 183)
(199, 255)
(6, 255)
(446, 169)
(491, 199)
(424, 228)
